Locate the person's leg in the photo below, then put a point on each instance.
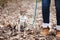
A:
(57, 4)
(45, 11)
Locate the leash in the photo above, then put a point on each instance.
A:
(35, 12)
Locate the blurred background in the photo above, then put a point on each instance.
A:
(10, 9)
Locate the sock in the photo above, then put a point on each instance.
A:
(45, 25)
(58, 27)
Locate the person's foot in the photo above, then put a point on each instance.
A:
(58, 31)
(44, 29)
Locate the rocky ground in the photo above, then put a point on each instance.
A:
(9, 19)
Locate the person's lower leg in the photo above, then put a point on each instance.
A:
(45, 11)
(57, 4)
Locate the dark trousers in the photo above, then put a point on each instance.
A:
(46, 10)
